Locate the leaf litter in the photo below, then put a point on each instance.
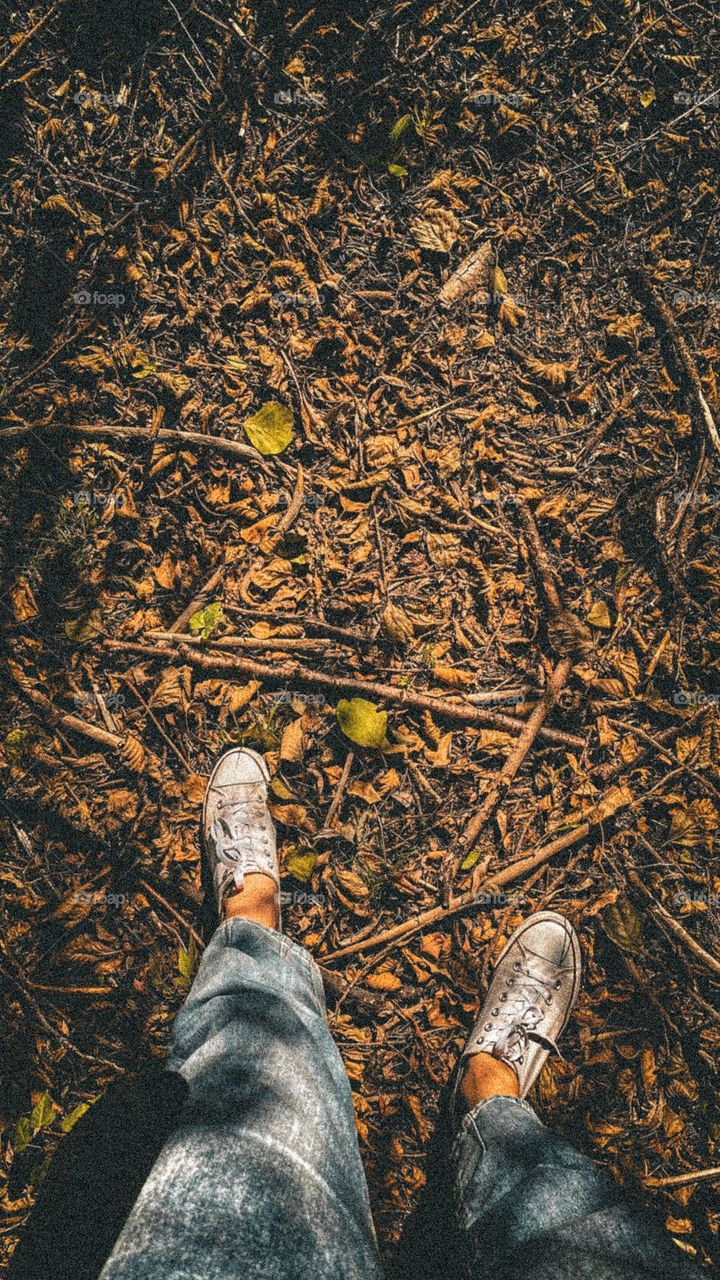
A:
(366, 353)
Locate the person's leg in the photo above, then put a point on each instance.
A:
(263, 1179)
(528, 1204)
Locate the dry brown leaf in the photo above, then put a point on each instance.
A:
(383, 981)
(397, 624)
(471, 275)
(437, 229)
(292, 745)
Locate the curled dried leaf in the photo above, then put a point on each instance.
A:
(472, 274)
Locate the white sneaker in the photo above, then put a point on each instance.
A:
(534, 987)
(238, 832)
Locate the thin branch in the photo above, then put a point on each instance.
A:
(445, 708)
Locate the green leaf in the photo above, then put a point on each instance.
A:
(39, 1173)
(23, 1134)
(300, 865)
(398, 170)
(270, 430)
(17, 742)
(623, 925)
(470, 860)
(361, 721)
(400, 127)
(73, 1116)
(188, 960)
(207, 620)
(43, 1113)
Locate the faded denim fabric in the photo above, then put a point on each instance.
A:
(531, 1207)
(263, 1179)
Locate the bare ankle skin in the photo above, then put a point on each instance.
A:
(257, 900)
(487, 1077)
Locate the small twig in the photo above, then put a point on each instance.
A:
(289, 643)
(339, 791)
(199, 601)
(133, 688)
(669, 921)
(684, 1179)
(539, 556)
(169, 907)
(633, 730)
(467, 901)
(553, 689)
(676, 351)
(20, 44)
(303, 620)
(74, 723)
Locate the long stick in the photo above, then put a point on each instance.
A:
(293, 671)
(554, 687)
(105, 431)
(470, 899)
(676, 351)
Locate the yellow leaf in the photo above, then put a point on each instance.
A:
(470, 860)
(270, 430)
(300, 865)
(361, 721)
(87, 627)
(599, 615)
(498, 282)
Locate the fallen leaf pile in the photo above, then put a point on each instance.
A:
(304, 312)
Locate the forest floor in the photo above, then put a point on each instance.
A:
(441, 284)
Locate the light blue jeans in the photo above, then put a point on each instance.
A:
(262, 1180)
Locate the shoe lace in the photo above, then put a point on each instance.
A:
(520, 1017)
(233, 832)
